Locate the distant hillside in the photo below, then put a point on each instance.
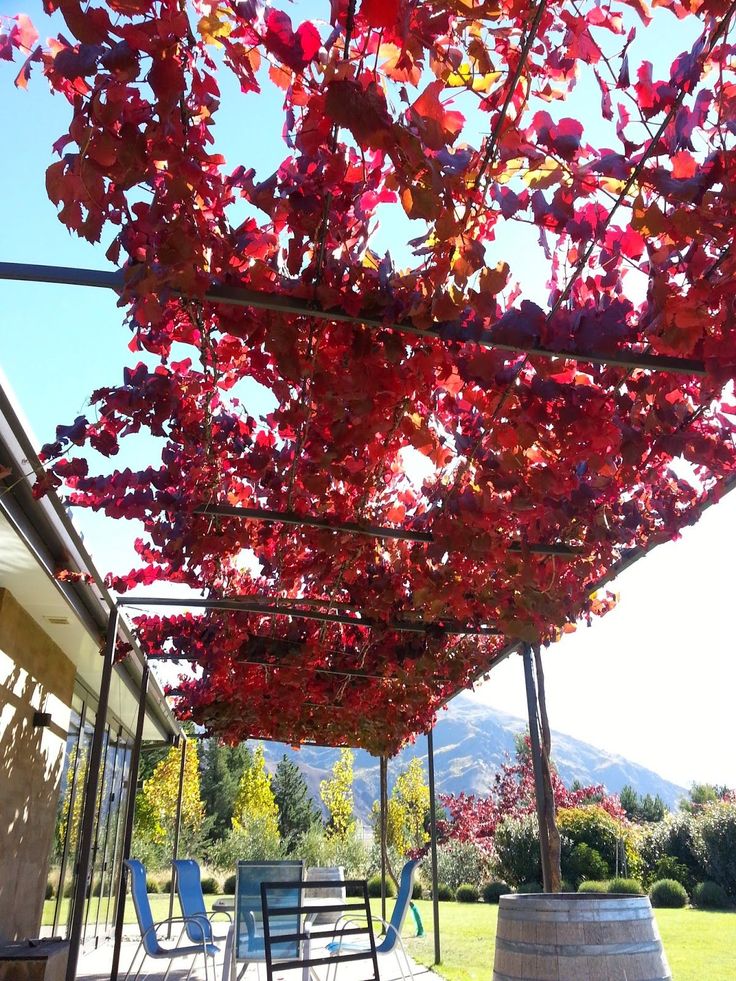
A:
(471, 742)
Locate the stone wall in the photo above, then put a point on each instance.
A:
(35, 675)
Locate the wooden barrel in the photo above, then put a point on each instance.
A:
(578, 937)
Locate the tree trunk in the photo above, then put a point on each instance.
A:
(553, 835)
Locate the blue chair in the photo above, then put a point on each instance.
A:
(392, 942)
(191, 900)
(149, 930)
(246, 945)
(250, 943)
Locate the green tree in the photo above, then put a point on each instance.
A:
(297, 810)
(221, 770)
(643, 809)
(255, 804)
(337, 795)
(702, 794)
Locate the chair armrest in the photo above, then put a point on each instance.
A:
(186, 920)
(219, 912)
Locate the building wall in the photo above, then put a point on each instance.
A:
(35, 675)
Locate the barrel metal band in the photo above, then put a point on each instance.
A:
(579, 950)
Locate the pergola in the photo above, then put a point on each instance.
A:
(344, 592)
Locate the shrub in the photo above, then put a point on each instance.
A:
(567, 886)
(211, 886)
(152, 886)
(316, 849)
(669, 867)
(714, 844)
(585, 862)
(668, 894)
(68, 890)
(465, 893)
(593, 826)
(444, 893)
(629, 887)
(50, 890)
(709, 895)
(165, 886)
(228, 886)
(516, 842)
(256, 843)
(667, 840)
(374, 887)
(459, 862)
(416, 890)
(97, 887)
(492, 891)
(530, 887)
(590, 885)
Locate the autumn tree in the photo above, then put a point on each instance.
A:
(297, 810)
(255, 810)
(337, 796)
(156, 802)
(407, 810)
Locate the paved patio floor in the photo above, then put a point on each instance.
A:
(95, 966)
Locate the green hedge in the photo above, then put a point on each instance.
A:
(709, 895)
(465, 893)
(492, 891)
(668, 894)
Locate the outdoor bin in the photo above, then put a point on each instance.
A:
(578, 937)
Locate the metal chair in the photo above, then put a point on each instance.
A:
(191, 900)
(148, 927)
(392, 942)
(246, 943)
(290, 947)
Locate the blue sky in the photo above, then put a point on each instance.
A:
(654, 680)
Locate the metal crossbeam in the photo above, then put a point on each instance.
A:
(238, 604)
(353, 528)
(294, 306)
(340, 673)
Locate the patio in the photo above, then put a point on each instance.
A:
(95, 966)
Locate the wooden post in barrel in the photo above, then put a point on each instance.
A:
(540, 739)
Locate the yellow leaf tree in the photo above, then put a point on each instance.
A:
(255, 804)
(407, 811)
(156, 803)
(337, 796)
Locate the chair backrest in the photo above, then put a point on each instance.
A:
(142, 906)
(401, 906)
(333, 873)
(284, 952)
(191, 900)
(248, 908)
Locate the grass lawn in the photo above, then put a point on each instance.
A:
(700, 946)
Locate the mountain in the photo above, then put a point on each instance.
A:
(471, 741)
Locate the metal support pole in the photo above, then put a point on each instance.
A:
(384, 829)
(177, 830)
(433, 844)
(135, 758)
(84, 850)
(531, 701)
